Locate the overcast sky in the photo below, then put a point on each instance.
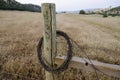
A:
(73, 5)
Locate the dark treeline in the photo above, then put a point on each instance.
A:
(108, 12)
(116, 9)
(14, 5)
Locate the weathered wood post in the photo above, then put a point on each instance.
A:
(49, 36)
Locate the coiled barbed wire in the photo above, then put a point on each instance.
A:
(66, 62)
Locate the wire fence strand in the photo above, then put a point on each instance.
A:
(84, 54)
(88, 59)
(93, 66)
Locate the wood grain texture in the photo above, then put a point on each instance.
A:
(80, 63)
(49, 33)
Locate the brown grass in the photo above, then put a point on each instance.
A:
(21, 31)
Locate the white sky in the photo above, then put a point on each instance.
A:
(73, 5)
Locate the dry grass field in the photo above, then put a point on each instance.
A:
(21, 31)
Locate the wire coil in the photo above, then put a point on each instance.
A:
(65, 64)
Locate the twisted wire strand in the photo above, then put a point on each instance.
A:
(64, 66)
(66, 62)
(95, 69)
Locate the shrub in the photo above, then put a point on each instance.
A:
(113, 15)
(105, 15)
(82, 12)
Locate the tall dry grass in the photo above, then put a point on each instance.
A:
(95, 34)
(21, 31)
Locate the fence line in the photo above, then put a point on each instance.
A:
(79, 63)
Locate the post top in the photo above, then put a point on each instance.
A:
(48, 3)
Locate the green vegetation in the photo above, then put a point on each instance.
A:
(105, 15)
(116, 8)
(107, 12)
(115, 11)
(82, 12)
(112, 12)
(13, 5)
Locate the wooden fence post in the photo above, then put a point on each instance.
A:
(49, 33)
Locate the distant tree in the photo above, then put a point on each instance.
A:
(105, 14)
(92, 12)
(14, 5)
(82, 12)
(63, 12)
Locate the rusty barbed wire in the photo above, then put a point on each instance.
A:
(66, 62)
(93, 66)
(66, 66)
